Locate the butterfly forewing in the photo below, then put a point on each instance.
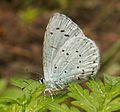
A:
(68, 54)
(60, 28)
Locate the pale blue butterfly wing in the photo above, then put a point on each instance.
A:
(67, 55)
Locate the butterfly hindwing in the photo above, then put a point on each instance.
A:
(80, 59)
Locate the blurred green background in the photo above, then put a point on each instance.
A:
(22, 27)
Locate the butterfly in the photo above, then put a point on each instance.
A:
(68, 55)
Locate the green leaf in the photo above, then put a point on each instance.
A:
(73, 109)
(21, 83)
(100, 97)
(62, 108)
(28, 86)
(103, 97)
(114, 105)
(82, 97)
(98, 93)
(111, 80)
(8, 101)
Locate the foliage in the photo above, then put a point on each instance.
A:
(104, 97)
(99, 97)
(30, 100)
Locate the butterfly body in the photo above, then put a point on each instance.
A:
(68, 55)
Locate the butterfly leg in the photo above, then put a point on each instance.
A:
(49, 91)
(50, 94)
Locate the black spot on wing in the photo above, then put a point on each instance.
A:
(51, 33)
(62, 30)
(80, 55)
(67, 53)
(65, 71)
(93, 61)
(57, 28)
(77, 51)
(55, 67)
(83, 72)
(66, 35)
